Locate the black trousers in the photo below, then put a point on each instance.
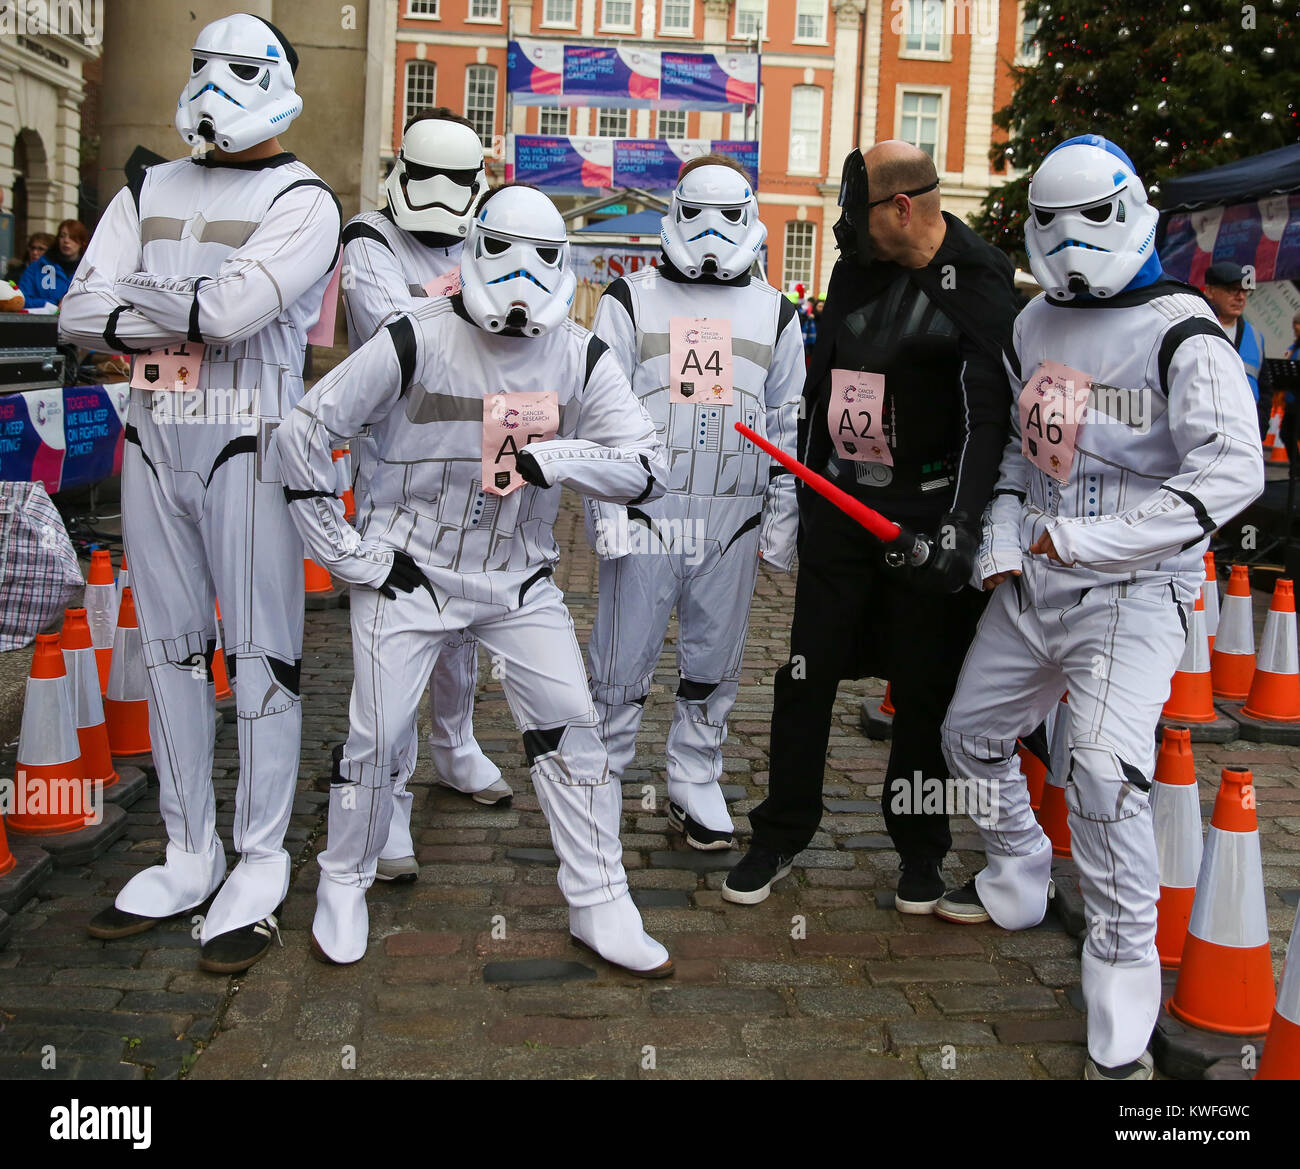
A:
(855, 617)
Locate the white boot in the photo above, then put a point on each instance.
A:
(185, 880)
(613, 930)
(341, 927)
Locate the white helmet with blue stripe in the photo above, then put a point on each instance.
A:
(241, 86)
(1090, 228)
(514, 269)
(712, 227)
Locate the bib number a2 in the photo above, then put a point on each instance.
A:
(510, 423)
(1052, 406)
(855, 417)
(175, 368)
(699, 353)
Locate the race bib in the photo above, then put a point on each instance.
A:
(448, 284)
(175, 369)
(699, 352)
(1052, 406)
(855, 416)
(510, 423)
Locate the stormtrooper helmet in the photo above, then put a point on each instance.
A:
(241, 86)
(712, 227)
(438, 175)
(514, 269)
(1090, 228)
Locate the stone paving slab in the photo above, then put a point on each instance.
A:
(470, 973)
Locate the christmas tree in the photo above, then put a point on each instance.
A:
(1179, 86)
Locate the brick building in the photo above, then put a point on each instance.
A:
(835, 73)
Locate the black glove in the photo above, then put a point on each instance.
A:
(528, 469)
(404, 577)
(956, 544)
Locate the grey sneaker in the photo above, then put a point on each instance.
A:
(962, 905)
(497, 793)
(402, 869)
(1141, 1068)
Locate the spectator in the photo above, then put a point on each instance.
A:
(1293, 352)
(808, 322)
(1226, 292)
(45, 281)
(37, 245)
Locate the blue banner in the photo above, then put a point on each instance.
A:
(578, 164)
(63, 437)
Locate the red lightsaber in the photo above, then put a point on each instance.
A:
(904, 547)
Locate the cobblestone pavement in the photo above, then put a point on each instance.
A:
(470, 972)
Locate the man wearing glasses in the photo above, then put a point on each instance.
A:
(905, 407)
(1226, 291)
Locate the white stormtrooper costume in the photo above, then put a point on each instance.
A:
(1165, 451)
(393, 259)
(234, 257)
(443, 551)
(696, 549)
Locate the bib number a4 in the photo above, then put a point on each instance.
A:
(1052, 406)
(175, 368)
(699, 353)
(510, 423)
(855, 417)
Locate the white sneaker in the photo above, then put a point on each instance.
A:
(1142, 1068)
(340, 930)
(613, 930)
(493, 794)
(401, 869)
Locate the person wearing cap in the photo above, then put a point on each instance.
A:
(210, 270)
(905, 408)
(394, 258)
(1225, 289)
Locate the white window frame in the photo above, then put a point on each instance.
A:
(496, 93)
(471, 19)
(563, 110)
(572, 22)
(821, 40)
(686, 123)
(811, 280)
(603, 112)
(665, 31)
(814, 166)
(944, 51)
(737, 35)
(407, 110)
(607, 26)
(436, 14)
(1022, 57)
(939, 91)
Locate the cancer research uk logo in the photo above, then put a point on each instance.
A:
(102, 1122)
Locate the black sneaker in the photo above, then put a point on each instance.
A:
(751, 880)
(919, 888)
(697, 836)
(962, 906)
(112, 923)
(237, 950)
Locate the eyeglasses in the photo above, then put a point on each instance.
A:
(910, 194)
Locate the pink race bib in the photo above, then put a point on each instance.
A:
(699, 353)
(855, 416)
(448, 284)
(1052, 405)
(175, 369)
(510, 423)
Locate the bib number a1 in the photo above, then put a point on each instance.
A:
(855, 417)
(699, 354)
(175, 368)
(510, 423)
(1052, 406)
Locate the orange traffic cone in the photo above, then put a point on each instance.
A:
(126, 704)
(317, 580)
(1225, 983)
(1232, 663)
(1210, 595)
(886, 703)
(877, 719)
(220, 679)
(1275, 690)
(1176, 811)
(1281, 1058)
(345, 484)
(7, 858)
(1052, 812)
(101, 611)
(87, 703)
(51, 793)
(1035, 772)
(1191, 698)
(1277, 448)
(123, 578)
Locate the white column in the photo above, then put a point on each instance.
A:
(982, 24)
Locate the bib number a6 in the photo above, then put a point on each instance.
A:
(1052, 406)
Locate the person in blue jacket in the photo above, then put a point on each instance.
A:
(1226, 291)
(45, 281)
